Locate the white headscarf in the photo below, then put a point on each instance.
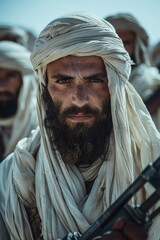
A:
(13, 33)
(16, 57)
(59, 189)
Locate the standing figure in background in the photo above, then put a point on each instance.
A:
(144, 77)
(17, 96)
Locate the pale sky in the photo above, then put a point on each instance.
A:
(36, 14)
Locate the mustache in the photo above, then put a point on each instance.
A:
(75, 110)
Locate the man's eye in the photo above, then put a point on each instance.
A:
(63, 81)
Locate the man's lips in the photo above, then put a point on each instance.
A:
(80, 117)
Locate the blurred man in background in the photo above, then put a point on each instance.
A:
(144, 77)
(17, 95)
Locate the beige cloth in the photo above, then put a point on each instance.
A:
(16, 57)
(35, 172)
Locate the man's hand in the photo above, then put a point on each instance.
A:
(124, 230)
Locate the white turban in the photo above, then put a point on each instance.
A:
(16, 57)
(58, 188)
(13, 33)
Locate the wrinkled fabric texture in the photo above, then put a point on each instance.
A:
(16, 57)
(36, 172)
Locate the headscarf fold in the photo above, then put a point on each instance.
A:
(62, 201)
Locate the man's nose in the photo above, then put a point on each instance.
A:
(80, 95)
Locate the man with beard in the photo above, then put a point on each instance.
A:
(17, 94)
(94, 137)
(144, 77)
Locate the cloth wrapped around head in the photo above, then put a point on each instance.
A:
(16, 57)
(80, 35)
(13, 33)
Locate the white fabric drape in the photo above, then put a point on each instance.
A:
(59, 189)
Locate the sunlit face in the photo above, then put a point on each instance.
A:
(128, 39)
(78, 81)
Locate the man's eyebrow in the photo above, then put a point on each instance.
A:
(96, 75)
(59, 75)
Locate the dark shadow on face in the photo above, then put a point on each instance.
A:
(8, 108)
(81, 144)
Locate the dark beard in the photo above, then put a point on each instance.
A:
(8, 108)
(80, 145)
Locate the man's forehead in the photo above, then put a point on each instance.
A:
(7, 70)
(77, 62)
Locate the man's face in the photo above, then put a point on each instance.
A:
(78, 83)
(77, 104)
(10, 84)
(128, 39)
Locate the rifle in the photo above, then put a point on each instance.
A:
(120, 208)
